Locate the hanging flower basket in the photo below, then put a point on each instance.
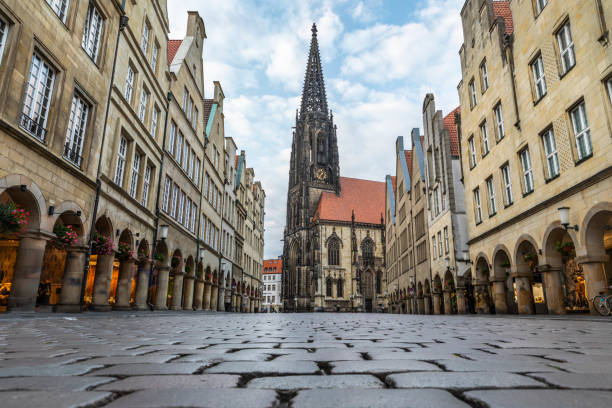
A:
(505, 264)
(124, 252)
(142, 253)
(13, 219)
(101, 245)
(159, 257)
(65, 234)
(199, 274)
(176, 261)
(566, 249)
(187, 269)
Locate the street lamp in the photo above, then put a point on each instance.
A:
(202, 252)
(352, 306)
(295, 300)
(564, 216)
(163, 232)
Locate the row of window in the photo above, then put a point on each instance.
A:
(185, 156)
(582, 134)
(190, 109)
(212, 193)
(271, 299)
(437, 244)
(209, 233)
(270, 287)
(135, 176)
(180, 207)
(270, 277)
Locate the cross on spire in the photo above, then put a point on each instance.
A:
(313, 94)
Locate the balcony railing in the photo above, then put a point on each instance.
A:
(73, 155)
(32, 127)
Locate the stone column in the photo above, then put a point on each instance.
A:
(213, 297)
(448, 308)
(461, 301)
(524, 293)
(207, 291)
(499, 295)
(198, 296)
(595, 279)
(553, 289)
(142, 284)
(124, 285)
(70, 301)
(420, 305)
(161, 294)
(177, 291)
(221, 301)
(188, 284)
(102, 282)
(482, 303)
(437, 303)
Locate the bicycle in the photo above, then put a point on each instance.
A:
(603, 303)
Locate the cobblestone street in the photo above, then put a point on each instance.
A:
(303, 360)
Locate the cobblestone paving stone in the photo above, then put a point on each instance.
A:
(180, 359)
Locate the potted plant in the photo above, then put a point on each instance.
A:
(530, 258)
(175, 261)
(101, 245)
(566, 249)
(124, 252)
(199, 275)
(505, 264)
(159, 257)
(13, 218)
(65, 234)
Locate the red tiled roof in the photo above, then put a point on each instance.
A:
(449, 124)
(173, 46)
(365, 197)
(272, 263)
(208, 103)
(408, 154)
(501, 8)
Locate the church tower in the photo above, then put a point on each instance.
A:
(314, 168)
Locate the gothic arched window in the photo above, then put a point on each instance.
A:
(367, 251)
(333, 252)
(340, 288)
(378, 282)
(328, 287)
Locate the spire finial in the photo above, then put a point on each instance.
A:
(314, 29)
(313, 95)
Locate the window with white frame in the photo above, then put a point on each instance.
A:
(608, 82)
(472, 152)
(440, 244)
(472, 86)
(142, 110)
(194, 122)
(189, 109)
(191, 164)
(121, 155)
(185, 99)
(186, 151)
(144, 40)
(499, 121)
(539, 78)
(196, 171)
(166, 197)
(146, 185)
(477, 206)
(135, 175)
(508, 195)
(77, 126)
(175, 193)
(566, 47)
(129, 84)
(582, 132)
(38, 98)
(527, 170)
(3, 35)
(93, 32)
(172, 138)
(491, 191)
(540, 4)
(550, 150)
(436, 201)
(194, 211)
(179, 147)
(446, 242)
(484, 72)
(154, 57)
(187, 213)
(485, 138)
(154, 120)
(181, 207)
(59, 7)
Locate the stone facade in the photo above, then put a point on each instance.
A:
(547, 117)
(147, 188)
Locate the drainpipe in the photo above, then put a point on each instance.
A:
(198, 240)
(169, 98)
(123, 22)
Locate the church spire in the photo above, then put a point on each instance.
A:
(313, 95)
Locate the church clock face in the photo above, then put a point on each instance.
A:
(321, 174)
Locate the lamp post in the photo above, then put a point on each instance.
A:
(295, 299)
(564, 216)
(163, 232)
(352, 297)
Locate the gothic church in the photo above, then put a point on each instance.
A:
(333, 255)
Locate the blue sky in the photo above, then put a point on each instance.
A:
(380, 58)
